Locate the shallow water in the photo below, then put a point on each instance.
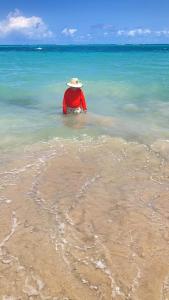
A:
(85, 219)
(84, 199)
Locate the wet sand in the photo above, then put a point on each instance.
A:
(85, 219)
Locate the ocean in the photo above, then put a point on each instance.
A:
(128, 83)
(84, 199)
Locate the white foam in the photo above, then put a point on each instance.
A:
(61, 227)
(13, 229)
(30, 290)
(84, 281)
(100, 264)
(34, 288)
(94, 287)
(5, 200)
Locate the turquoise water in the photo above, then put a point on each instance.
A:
(126, 88)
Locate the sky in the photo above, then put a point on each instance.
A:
(84, 22)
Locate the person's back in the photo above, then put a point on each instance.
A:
(74, 100)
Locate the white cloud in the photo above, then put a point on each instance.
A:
(120, 32)
(134, 32)
(69, 31)
(162, 32)
(138, 31)
(142, 32)
(32, 27)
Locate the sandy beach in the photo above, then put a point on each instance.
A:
(85, 219)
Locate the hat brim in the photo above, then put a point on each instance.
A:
(78, 85)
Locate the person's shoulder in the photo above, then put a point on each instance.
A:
(81, 91)
(67, 90)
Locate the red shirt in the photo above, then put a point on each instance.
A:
(74, 98)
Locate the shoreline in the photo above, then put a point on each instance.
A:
(85, 219)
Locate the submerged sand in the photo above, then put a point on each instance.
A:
(85, 219)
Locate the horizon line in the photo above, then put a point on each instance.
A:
(84, 44)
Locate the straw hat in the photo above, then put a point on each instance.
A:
(74, 82)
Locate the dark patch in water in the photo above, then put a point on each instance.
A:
(20, 101)
(86, 48)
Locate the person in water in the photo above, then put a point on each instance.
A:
(74, 99)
